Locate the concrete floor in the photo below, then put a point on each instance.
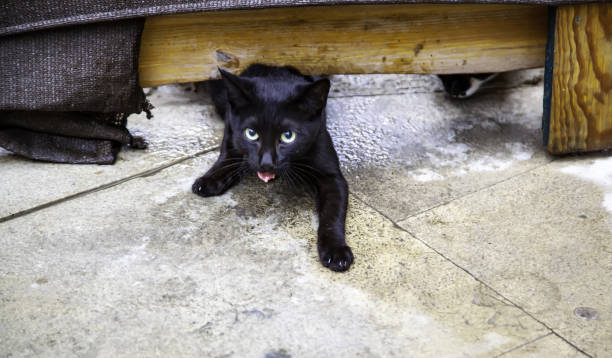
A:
(470, 241)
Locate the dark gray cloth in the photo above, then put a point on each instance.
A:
(91, 67)
(19, 16)
(89, 125)
(57, 148)
(65, 137)
(63, 91)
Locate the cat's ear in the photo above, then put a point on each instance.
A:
(239, 92)
(314, 97)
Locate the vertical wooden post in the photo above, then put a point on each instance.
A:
(578, 90)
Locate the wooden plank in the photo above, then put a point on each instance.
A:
(408, 38)
(581, 96)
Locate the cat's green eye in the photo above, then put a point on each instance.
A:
(288, 137)
(251, 134)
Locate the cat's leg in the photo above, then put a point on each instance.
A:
(334, 253)
(225, 173)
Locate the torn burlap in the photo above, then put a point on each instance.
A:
(65, 137)
(57, 148)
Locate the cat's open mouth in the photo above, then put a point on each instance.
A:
(266, 176)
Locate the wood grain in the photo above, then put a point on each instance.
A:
(409, 38)
(581, 101)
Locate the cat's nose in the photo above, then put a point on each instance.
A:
(266, 163)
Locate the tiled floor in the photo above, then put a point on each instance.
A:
(470, 241)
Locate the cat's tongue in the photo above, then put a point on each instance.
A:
(265, 176)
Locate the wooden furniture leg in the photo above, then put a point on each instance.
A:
(578, 83)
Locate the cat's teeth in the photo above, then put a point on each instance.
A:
(266, 177)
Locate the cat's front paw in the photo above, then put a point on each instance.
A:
(336, 258)
(207, 186)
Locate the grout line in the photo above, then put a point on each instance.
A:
(477, 191)
(471, 274)
(521, 345)
(144, 174)
(537, 339)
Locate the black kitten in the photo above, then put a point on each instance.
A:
(465, 86)
(275, 126)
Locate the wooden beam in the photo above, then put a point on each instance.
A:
(581, 93)
(408, 38)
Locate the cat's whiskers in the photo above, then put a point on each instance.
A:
(237, 172)
(285, 174)
(299, 176)
(309, 169)
(306, 174)
(228, 166)
(296, 179)
(302, 164)
(287, 177)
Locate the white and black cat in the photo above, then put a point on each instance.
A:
(275, 126)
(465, 86)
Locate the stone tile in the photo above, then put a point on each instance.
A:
(542, 240)
(147, 268)
(407, 153)
(549, 346)
(183, 125)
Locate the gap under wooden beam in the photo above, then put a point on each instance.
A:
(350, 39)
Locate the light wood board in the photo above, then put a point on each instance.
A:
(353, 39)
(581, 99)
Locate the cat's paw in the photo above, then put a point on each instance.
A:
(207, 186)
(138, 142)
(336, 258)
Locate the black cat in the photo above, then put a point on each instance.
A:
(275, 126)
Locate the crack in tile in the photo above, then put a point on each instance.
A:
(476, 191)
(396, 225)
(144, 174)
(522, 345)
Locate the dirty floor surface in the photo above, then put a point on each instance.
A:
(470, 241)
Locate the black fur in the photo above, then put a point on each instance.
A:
(272, 101)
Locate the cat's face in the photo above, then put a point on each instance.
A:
(274, 122)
